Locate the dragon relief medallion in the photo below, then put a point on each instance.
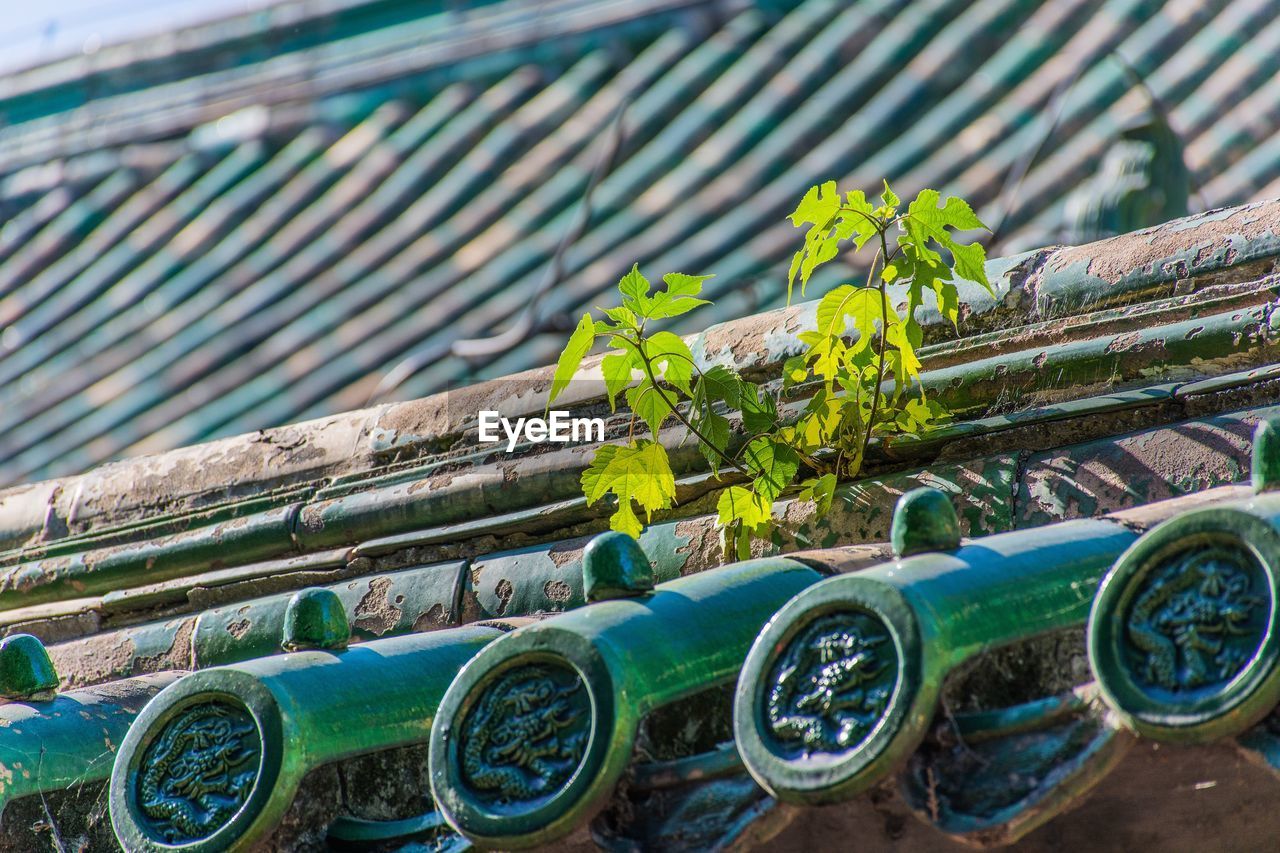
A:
(526, 735)
(198, 772)
(832, 684)
(1197, 619)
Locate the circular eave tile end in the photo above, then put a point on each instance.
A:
(1183, 633)
(200, 766)
(524, 744)
(828, 700)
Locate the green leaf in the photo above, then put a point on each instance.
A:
(925, 277)
(774, 465)
(795, 370)
(830, 223)
(626, 521)
(925, 221)
(825, 352)
(742, 505)
(637, 472)
(858, 221)
(571, 359)
(715, 428)
(817, 207)
(623, 317)
(720, 384)
(909, 362)
(925, 413)
(593, 485)
(820, 490)
(667, 348)
(888, 197)
(658, 486)
(678, 298)
(759, 411)
(680, 284)
(635, 291)
(649, 404)
(865, 306)
(616, 368)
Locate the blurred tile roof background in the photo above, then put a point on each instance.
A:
(258, 220)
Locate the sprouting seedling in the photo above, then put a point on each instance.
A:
(859, 342)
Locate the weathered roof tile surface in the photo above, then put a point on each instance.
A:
(240, 227)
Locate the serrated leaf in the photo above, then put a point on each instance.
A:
(818, 426)
(617, 370)
(864, 306)
(668, 350)
(678, 297)
(889, 198)
(722, 385)
(925, 220)
(924, 277)
(626, 521)
(637, 472)
(759, 411)
(831, 222)
(623, 317)
(743, 506)
(858, 220)
(680, 284)
(659, 486)
(649, 404)
(715, 428)
(826, 353)
(927, 412)
(820, 490)
(795, 370)
(593, 486)
(817, 206)
(634, 288)
(774, 465)
(571, 358)
(909, 362)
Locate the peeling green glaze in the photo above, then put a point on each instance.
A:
(385, 604)
(314, 619)
(919, 617)
(614, 566)
(924, 520)
(575, 689)
(69, 740)
(1184, 636)
(292, 713)
(26, 673)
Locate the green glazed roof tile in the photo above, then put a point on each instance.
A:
(234, 248)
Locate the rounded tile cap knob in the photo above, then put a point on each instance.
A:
(315, 619)
(26, 673)
(614, 566)
(924, 520)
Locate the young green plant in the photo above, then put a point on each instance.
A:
(858, 374)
